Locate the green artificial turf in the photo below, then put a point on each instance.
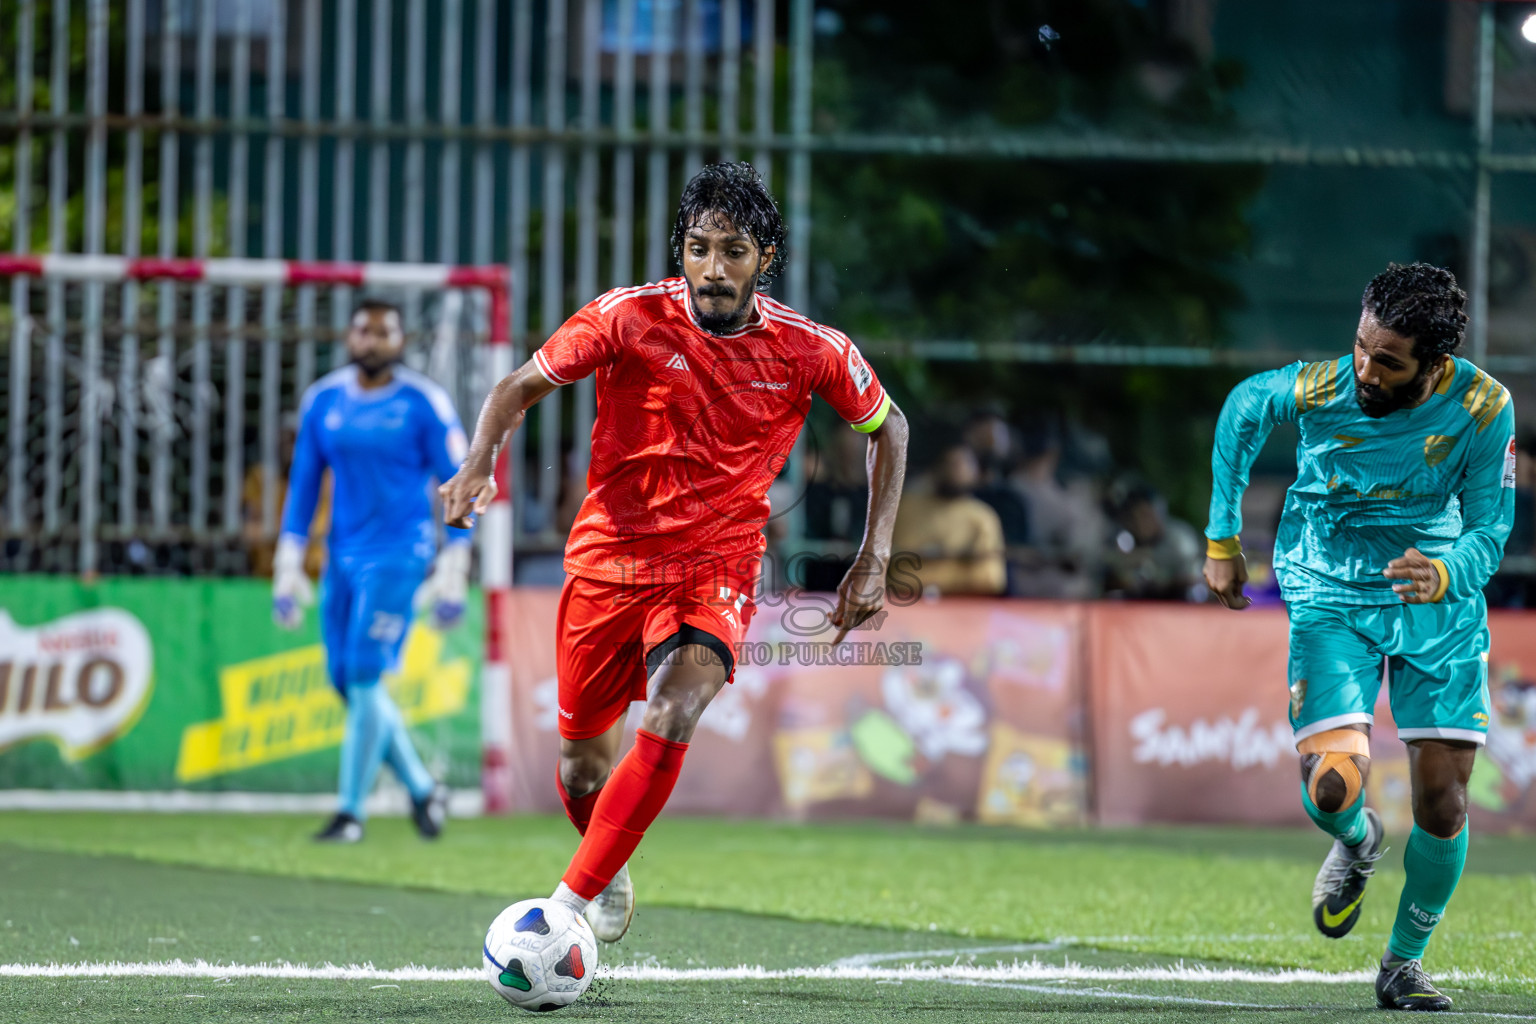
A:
(1239, 895)
(71, 908)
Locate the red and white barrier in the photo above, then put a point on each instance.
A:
(495, 530)
(74, 267)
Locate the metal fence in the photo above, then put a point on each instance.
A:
(166, 435)
(551, 135)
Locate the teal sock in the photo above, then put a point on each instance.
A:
(1348, 825)
(363, 744)
(1433, 866)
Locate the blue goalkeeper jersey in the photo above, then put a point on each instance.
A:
(384, 447)
(1439, 477)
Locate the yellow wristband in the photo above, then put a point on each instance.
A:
(1223, 550)
(1445, 580)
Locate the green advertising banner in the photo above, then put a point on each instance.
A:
(162, 684)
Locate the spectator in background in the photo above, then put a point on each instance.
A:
(837, 488)
(836, 502)
(1514, 585)
(1153, 557)
(993, 443)
(988, 435)
(260, 542)
(1066, 528)
(958, 538)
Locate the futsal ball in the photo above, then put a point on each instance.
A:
(540, 955)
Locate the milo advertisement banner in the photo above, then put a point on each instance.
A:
(176, 684)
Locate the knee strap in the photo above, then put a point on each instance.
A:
(1336, 750)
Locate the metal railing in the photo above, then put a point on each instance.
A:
(388, 130)
(552, 135)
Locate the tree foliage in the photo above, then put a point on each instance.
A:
(1024, 249)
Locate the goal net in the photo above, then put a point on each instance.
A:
(150, 405)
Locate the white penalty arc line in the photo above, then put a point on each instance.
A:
(1099, 993)
(913, 957)
(1030, 971)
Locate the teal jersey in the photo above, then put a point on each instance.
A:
(1439, 477)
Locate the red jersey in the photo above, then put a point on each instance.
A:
(693, 427)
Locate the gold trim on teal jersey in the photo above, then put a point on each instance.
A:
(1317, 384)
(1485, 399)
(1495, 406)
(1444, 387)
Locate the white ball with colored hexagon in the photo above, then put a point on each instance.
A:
(540, 955)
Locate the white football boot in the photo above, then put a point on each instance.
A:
(610, 914)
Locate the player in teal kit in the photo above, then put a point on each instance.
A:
(1402, 501)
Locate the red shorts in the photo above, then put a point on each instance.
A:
(606, 629)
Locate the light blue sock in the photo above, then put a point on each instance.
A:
(401, 753)
(363, 744)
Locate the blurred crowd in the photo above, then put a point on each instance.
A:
(1026, 510)
(1035, 509)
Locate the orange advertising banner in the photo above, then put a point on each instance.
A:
(1189, 715)
(958, 710)
(1019, 713)
(1190, 725)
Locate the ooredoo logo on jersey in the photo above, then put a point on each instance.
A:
(81, 680)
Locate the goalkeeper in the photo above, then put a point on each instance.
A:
(1402, 501)
(385, 432)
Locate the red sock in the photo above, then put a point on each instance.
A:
(634, 794)
(577, 808)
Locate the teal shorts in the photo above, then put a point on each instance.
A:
(1434, 657)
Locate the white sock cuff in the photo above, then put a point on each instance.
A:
(564, 895)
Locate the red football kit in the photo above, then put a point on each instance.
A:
(691, 430)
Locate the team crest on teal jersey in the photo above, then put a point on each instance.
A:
(1436, 448)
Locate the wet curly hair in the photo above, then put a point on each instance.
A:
(1419, 301)
(733, 193)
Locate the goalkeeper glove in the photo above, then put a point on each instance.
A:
(447, 587)
(291, 589)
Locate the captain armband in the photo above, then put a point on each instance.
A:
(1336, 751)
(1223, 550)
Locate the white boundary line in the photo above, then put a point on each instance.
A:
(1019, 971)
(462, 803)
(914, 956)
(1099, 993)
(1014, 977)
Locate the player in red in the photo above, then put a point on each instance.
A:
(703, 384)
